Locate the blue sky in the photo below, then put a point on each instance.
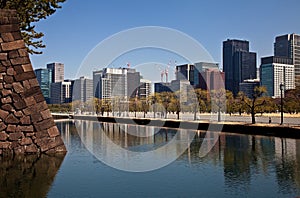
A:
(73, 31)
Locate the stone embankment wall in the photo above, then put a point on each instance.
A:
(26, 124)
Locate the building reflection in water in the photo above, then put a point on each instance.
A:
(136, 147)
(243, 159)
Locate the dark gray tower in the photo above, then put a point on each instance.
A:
(238, 64)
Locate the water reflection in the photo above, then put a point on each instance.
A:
(237, 165)
(28, 176)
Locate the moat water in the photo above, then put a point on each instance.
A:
(236, 166)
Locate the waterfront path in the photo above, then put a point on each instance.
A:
(289, 119)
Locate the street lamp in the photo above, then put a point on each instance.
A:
(281, 102)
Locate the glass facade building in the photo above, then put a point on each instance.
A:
(289, 46)
(238, 64)
(44, 77)
(275, 71)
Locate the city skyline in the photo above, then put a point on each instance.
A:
(209, 23)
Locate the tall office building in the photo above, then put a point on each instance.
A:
(275, 71)
(162, 87)
(191, 72)
(44, 77)
(247, 87)
(83, 89)
(289, 46)
(116, 82)
(133, 82)
(144, 88)
(57, 72)
(238, 63)
(186, 72)
(211, 79)
(61, 92)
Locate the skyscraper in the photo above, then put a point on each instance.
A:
(191, 72)
(61, 92)
(57, 71)
(289, 46)
(83, 89)
(186, 72)
(211, 79)
(116, 82)
(44, 77)
(275, 71)
(238, 63)
(144, 88)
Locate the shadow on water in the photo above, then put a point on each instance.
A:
(28, 176)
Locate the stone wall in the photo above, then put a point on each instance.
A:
(26, 124)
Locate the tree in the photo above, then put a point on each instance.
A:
(229, 102)
(175, 105)
(154, 99)
(218, 98)
(30, 12)
(256, 101)
(291, 101)
(238, 104)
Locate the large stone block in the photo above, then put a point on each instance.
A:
(6, 92)
(2, 126)
(13, 54)
(53, 132)
(31, 92)
(7, 107)
(20, 60)
(25, 128)
(11, 119)
(6, 100)
(24, 76)
(3, 114)
(8, 79)
(7, 37)
(14, 45)
(44, 125)
(23, 52)
(46, 114)
(3, 56)
(18, 88)
(9, 28)
(27, 67)
(30, 101)
(4, 145)
(10, 71)
(25, 120)
(11, 128)
(26, 141)
(20, 104)
(15, 136)
(3, 136)
(31, 149)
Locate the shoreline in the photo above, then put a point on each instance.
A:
(284, 131)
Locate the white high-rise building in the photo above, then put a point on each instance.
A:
(112, 83)
(289, 46)
(275, 71)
